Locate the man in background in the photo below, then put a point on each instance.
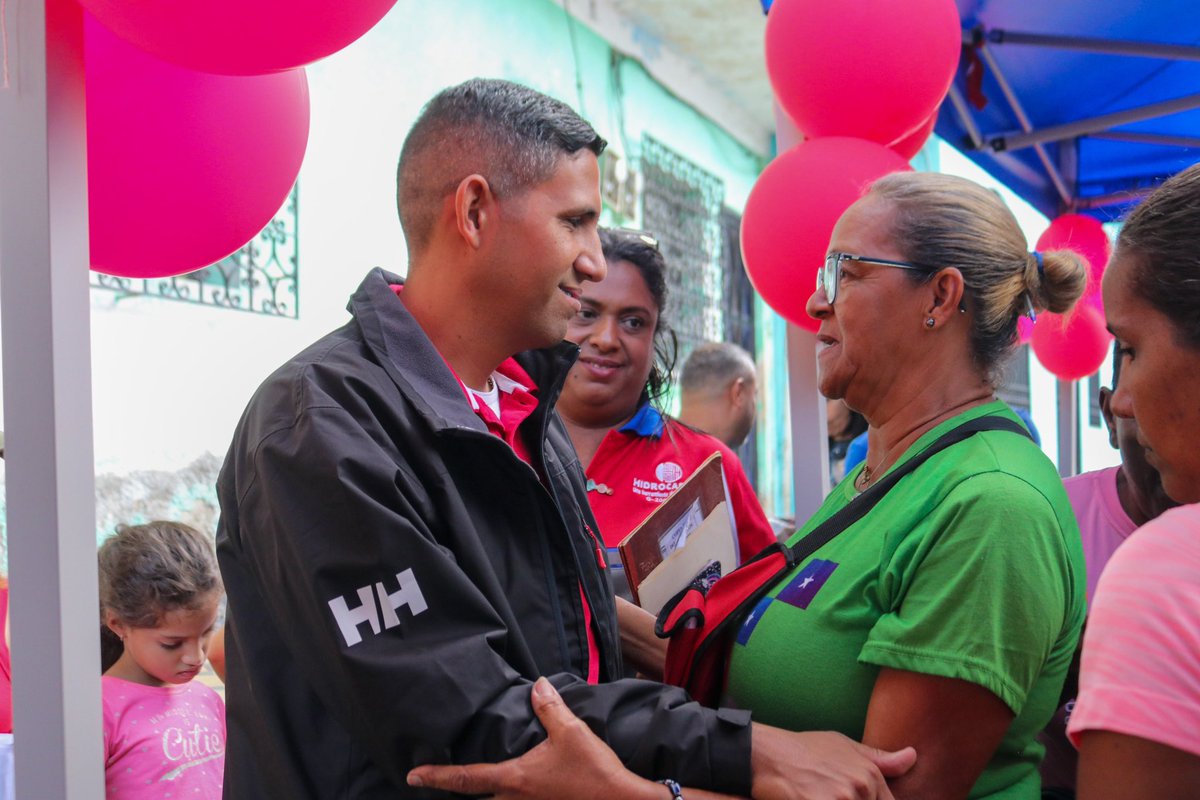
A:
(719, 392)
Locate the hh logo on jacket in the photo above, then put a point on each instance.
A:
(349, 619)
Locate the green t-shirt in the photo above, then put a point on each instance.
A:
(970, 567)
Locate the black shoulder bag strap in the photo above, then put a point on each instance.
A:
(857, 508)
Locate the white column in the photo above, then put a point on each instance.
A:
(810, 441)
(47, 405)
(1068, 428)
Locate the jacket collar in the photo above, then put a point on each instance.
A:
(418, 369)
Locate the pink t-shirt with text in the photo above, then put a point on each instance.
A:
(1103, 523)
(163, 741)
(1140, 674)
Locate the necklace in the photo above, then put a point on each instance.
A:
(867, 474)
(491, 384)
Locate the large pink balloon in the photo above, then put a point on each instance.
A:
(239, 37)
(183, 167)
(908, 146)
(1073, 345)
(875, 69)
(791, 212)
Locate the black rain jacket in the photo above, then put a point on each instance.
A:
(397, 578)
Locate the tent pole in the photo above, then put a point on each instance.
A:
(1163, 139)
(1060, 186)
(1091, 125)
(1115, 47)
(48, 407)
(1068, 428)
(1114, 198)
(964, 116)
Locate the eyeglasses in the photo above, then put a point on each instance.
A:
(830, 274)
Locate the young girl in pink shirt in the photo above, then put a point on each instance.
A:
(164, 734)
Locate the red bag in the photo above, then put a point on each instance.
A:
(701, 626)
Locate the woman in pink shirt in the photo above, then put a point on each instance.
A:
(1137, 718)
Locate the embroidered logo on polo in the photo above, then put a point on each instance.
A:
(667, 476)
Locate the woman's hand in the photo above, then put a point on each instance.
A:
(572, 762)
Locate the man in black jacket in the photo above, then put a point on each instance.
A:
(405, 537)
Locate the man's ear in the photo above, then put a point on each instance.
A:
(1110, 421)
(736, 393)
(947, 287)
(474, 209)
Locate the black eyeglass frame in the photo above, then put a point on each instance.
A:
(832, 268)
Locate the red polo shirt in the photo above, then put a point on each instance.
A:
(638, 466)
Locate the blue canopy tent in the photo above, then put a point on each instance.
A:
(1077, 106)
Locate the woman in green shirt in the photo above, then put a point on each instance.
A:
(947, 617)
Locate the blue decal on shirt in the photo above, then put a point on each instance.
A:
(801, 590)
(752, 621)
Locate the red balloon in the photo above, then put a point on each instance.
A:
(239, 37)
(1083, 235)
(792, 209)
(875, 69)
(183, 167)
(908, 146)
(1073, 345)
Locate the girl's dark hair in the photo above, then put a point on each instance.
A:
(148, 571)
(641, 250)
(1161, 236)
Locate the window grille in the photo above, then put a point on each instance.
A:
(261, 278)
(681, 207)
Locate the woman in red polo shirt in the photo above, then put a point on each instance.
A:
(634, 454)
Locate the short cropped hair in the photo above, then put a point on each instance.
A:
(510, 134)
(714, 365)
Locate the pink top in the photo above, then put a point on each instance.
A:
(162, 741)
(1103, 523)
(1140, 674)
(5, 669)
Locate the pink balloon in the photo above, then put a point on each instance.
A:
(239, 37)
(1071, 346)
(183, 167)
(792, 209)
(1083, 235)
(875, 69)
(908, 146)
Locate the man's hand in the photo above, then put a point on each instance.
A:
(572, 762)
(822, 766)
